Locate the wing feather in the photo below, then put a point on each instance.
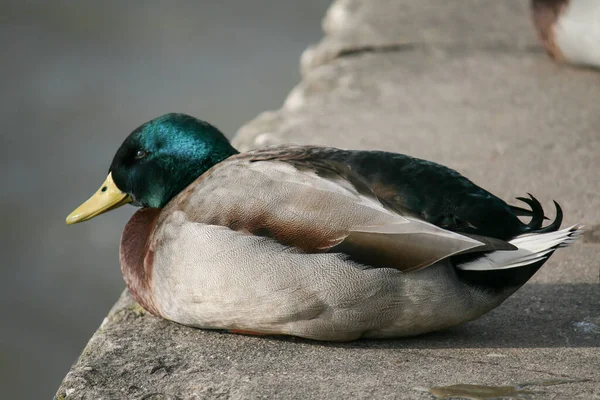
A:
(320, 207)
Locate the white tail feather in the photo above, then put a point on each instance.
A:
(531, 249)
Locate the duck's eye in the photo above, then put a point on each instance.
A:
(140, 154)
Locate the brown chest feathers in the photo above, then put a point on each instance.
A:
(137, 259)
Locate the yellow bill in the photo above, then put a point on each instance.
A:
(107, 198)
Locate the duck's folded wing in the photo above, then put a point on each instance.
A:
(412, 186)
(313, 209)
(412, 245)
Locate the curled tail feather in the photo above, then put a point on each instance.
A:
(537, 216)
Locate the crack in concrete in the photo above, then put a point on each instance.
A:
(387, 48)
(449, 48)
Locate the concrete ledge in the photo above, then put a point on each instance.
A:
(462, 84)
(548, 331)
(386, 25)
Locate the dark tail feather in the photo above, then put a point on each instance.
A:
(555, 225)
(537, 211)
(522, 212)
(537, 216)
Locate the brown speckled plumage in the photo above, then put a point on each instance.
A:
(137, 257)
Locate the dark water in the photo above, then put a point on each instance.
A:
(76, 78)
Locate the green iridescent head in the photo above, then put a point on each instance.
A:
(156, 162)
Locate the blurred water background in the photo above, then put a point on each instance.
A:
(77, 77)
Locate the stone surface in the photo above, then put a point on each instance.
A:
(359, 25)
(472, 92)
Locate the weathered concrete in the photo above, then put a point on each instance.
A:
(390, 25)
(462, 85)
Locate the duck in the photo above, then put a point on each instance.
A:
(569, 30)
(315, 242)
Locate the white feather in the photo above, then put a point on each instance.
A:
(531, 249)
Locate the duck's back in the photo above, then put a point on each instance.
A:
(403, 184)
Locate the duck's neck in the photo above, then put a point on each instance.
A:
(137, 258)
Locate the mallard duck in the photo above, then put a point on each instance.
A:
(315, 242)
(569, 29)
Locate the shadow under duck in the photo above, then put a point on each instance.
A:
(315, 242)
